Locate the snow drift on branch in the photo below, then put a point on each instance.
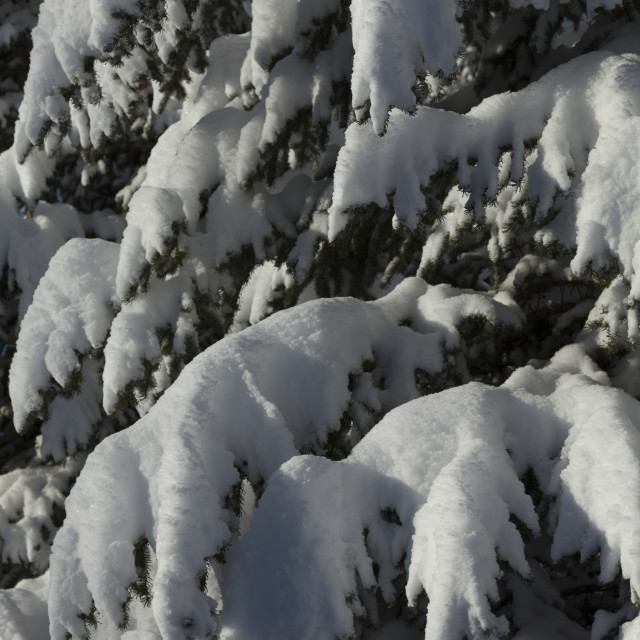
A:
(247, 405)
(67, 322)
(396, 41)
(251, 402)
(584, 118)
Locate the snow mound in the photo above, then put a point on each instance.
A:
(436, 515)
(580, 116)
(324, 524)
(24, 609)
(69, 319)
(228, 416)
(441, 509)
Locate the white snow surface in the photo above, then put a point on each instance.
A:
(453, 490)
(215, 149)
(273, 31)
(204, 161)
(589, 103)
(27, 500)
(254, 399)
(32, 242)
(69, 34)
(70, 315)
(23, 609)
(251, 402)
(228, 408)
(385, 66)
(395, 41)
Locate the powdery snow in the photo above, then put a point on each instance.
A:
(229, 406)
(452, 491)
(589, 103)
(330, 542)
(23, 609)
(70, 315)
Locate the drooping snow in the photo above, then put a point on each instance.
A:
(28, 498)
(228, 410)
(452, 490)
(589, 103)
(134, 339)
(34, 241)
(385, 68)
(70, 315)
(254, 303)
(315, 513)
(72, 48)
(326, 534)
(394, 42)
(272, 33)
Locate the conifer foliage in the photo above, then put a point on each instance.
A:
(319, 319)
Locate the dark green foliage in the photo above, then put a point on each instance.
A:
(368, 250)
(390, 515)
(14, 64)
(320, 33)
(142, 587)
(91, 620)
(137, 390)
(163, 264)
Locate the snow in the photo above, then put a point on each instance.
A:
(255, 303)
(221, 82)
(453, 490)
(187, 161)
(384, 67)
(70, 316)
(457, 486)
(428, 495)
(213, 149)
(589, 103)
(334, 533)
(133, 335)
(23, 609)
(72, 47)
(229, 395)
(34, 241)
(204, 426)
(598, 508)
(272, 33)
(27, 499)
(396, 41)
